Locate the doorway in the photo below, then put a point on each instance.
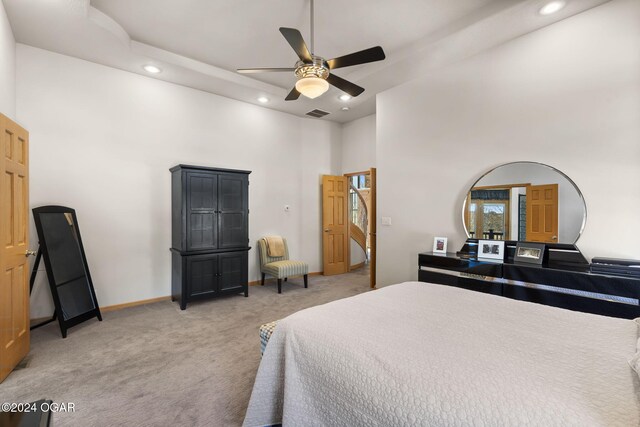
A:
(513, 212)
(349, 224)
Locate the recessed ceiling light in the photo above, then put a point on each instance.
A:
(552, 7)
(263, 99)
(345, 108)
(345, 97)
(152, 69)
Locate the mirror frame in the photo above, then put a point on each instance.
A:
(65, 323)
(584, 217)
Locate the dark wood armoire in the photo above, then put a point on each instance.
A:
(210, 232)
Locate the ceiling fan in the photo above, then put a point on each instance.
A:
(314, 73)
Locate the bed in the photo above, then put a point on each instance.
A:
(424, 354)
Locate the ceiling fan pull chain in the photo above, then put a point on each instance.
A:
(312, 49)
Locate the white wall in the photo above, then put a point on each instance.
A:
(567, 95)
(357, 253)
(103, 140)
(359, 145)
(7, 66)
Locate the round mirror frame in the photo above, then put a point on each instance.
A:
(584, 217)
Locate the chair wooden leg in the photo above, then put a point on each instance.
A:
(306, 283)
(262, 283)
(279, 286)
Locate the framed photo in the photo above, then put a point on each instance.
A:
(491, 249)
(439, 245)
(532, 253)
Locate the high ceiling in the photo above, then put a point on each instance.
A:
(200, 43)
(244, 33)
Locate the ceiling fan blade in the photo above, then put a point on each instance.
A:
(262, 70)
(344, 85)
(296, 41)
(293, 95)
(364, 56)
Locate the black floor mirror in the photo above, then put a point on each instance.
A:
(66, 264)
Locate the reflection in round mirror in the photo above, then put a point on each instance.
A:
(524, 201)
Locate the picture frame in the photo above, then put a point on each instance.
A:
(529, 252)
(439, 245)
(491, 249)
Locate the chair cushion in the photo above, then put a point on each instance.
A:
(288, 268)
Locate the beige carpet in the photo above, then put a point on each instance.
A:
(156, 365)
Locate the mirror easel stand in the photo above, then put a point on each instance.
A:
(32, 281)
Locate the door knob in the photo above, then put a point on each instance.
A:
(554, 237)
(326, 230)
(29, 253)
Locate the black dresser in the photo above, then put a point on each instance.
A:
(565, 280)
(210, 232)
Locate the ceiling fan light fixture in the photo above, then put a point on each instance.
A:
(314, 72)
(312, 87)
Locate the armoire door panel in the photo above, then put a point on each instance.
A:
(202, 194)
(232, 230)
(202, 231)
(232, 205)
(202, 272)
(233, 270)
(231, 193)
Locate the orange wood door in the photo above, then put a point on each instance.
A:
(373, 221)
(335, 224)
(14, 230)
(542, 213)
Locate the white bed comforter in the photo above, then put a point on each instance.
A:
(423, 354)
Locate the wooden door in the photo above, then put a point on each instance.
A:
(14, 229)
(542, 213)
(373, 228)
(335, 225)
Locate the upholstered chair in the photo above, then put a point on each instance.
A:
(280, 267)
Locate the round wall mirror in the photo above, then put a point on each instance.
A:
(524, 201)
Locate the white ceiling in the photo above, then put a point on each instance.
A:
(200, 43)
(244, 33)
